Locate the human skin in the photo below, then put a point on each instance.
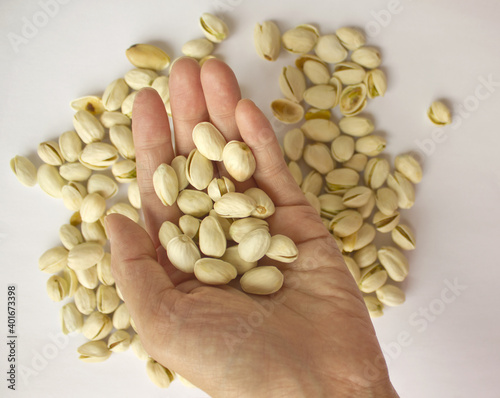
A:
(313, 338)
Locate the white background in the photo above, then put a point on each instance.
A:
(430, 50)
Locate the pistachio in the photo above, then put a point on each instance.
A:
(128, 104)
(50, 153)
(70, 318)
(24, 170)
(104, 270)
(254, 245)
(225, 223)
(287, 111)
(74, 171)
(409, 167)
(372, 278)
(98, 156)
(125, 210)
(103, 185)
(114, 95)
(313, 182)
(357, 197)
(94, 232)
(320, 130)
(264, 205)
(121, 137)
(369, 57)
(199, 170)
(57, 288)
(356, 126)
(315, 113)
(70, 146)
(121, 317)
(240, 228)
(119, 341)
(341, 180)
(371, 145)
(209, 141)
(366, 256)
(168, 231)
(85, 255)
(235, 205)
(403, 236)
(390, 295)
(338, 241)
(292, 83)
(212, 240)
(70, 236)
(232, 257)
(139, 78)
(238, 160)
(112, 118)
(189, 225)
(301, 39)
(90, 103)
(85, 300)
(50, 181)
(75, 218)
(53, 260)
(72, 195)
(296, 172)
(262, 280)
(386, 201)
(160, 84)
(282, 249)
(385, 223)
(267, 40)
(88, 128)
(97, 326)
(134, 195)
(321, 96)
(179, 165)
(147, 56)
(313, 201)
(439, 113)
(331, 205)
(92, 208)
(94, 351)
(316, 70)
(330, 50)
(183, 253)
(219, 187)
(214, 271)
(376, 172)
(346, 223)
(351, 38)
(70, 276)
(352, 267)
(394, 262)
(349, 73)
(357, 162)
(403, 188)
(376, 83)
(367, 209)
(194, 203)
(197, 48)
(124, 171)
(214, 28)
(361, 238)
(317, 156)
(165, 184)
(374, 306)
(88, 277)
(353, 99)
(138, 349)
(158, 374)
(342, 148)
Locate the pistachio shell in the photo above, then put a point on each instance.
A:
(194, 203)
(287, 111)
(98, 156)
(57, 288)
(88, 127)
(313, 182)
(352, 267)
(390, 295)
(320, 130)
(353, 99)
(214, 28)
(346, 223)
(385, 223)
(403, 236)
(313, 201)
(366, 256)
(97, 326)
(134, 195)
(376, 172)
(318, 157)
(403, 188)
(138, 349)
(158, 374)
(361, 238)
(282, 249)
(316, 70)
(372, 278)
(121, 317)
(165, 184)
(147, 56)
(85, 300)
(357, 162)
(124, 209)
(254, 245)
(356, 126)
(240, 228)
(409, 167)
(340, 180)
(264, 207)
(50, 153)
(160, 84)
(197, 48)
(92, 208)
(179, 166)
(168, 231)
(122, 139)
(214, 271)
(371, 145)
(89, 103)
(139, 78)
(349, 73)
(107, 299)
(111, 118)
(321, 96)
(351, 38)
(70, 146)
(386, 200)
(439, 113)
(114, 95)
(212, 240)
(128, 104)
(342, 148)
(232, 257)
(292, 83)
(219, 187)
(300, 39)
(72, 195)
(376, 83)
(330, 49)
(357, 196)
(331, 205)
(262, 280)
(88, 277)
(74, 171)
(239, 160)
(104, 270)
(374, 306)
(70, 318)
(369, 57)
(394, 262)
(50, 181)
(235, 205)
(24, 170)
(183, 253)
(267, 40)
(70, 236)
(296, 172)
(209, 141)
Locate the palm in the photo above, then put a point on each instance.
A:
(214, 334)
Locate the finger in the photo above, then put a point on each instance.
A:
(272, 174)
(222, 94)
(187, 103)
(153, 146)
(144, 284)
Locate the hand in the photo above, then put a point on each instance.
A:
(313, 338)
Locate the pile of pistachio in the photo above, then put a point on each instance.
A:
(347, 180)
(89, 167)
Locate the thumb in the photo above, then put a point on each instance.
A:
(146, 288)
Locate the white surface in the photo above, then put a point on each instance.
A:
(430, 50)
